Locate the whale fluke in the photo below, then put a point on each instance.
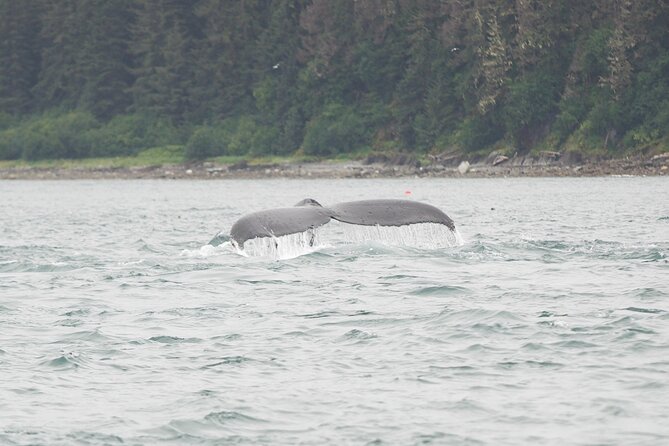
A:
(389, 213)
(278, 222)
(309, 214)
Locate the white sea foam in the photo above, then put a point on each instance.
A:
(208, 251)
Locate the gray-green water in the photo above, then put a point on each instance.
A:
(549, 325)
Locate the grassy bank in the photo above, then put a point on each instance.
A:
(157, 156)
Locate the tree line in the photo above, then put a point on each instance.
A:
(85, 78)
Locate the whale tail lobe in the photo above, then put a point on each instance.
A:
(308, 214)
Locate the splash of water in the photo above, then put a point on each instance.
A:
(209, 250)
(420, 235)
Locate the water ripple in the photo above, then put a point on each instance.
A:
(547, 324)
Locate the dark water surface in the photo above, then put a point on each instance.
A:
(549, 325)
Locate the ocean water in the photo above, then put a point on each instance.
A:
(546, 321)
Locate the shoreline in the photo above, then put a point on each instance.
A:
(490, 167)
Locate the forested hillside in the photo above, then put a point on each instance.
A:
(83, 78)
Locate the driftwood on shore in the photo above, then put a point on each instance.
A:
(546, 164)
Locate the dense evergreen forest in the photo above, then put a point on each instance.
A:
(82, 78)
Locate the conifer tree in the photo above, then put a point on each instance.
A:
(63, 37)
(165, 48)
(19, 55)
(85, 60)
(277, 92)
(230, 55)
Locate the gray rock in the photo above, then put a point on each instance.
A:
(500, 159)
(463, 168)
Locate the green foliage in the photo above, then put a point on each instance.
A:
(7, 120)
(477, 132)
(638, 117)
(79, 134)
(572, 112)
(275, 77)
(593, 62)
(248, 137)
(10, 148)
(19, 55)
(85, 57)
(605, 116)
(168, 154)
(233, 137)
(128, 134)
(206, 142)
(645, 104)
(530, 103)
(641, 136)
(660, 121)
(57, 136)
(441, 111)
(338, 129)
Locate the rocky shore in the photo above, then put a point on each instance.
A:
(546, 164)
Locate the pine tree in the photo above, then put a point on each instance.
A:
(165, 48)
(85, 61)
(19, 55)
(276, 92)
(61, 76)
(106, 59)
(229, 56)
(421, 22)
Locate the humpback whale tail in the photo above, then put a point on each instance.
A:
(308, 215)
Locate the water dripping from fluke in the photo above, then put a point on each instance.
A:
(424, 236)
(308, 226)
